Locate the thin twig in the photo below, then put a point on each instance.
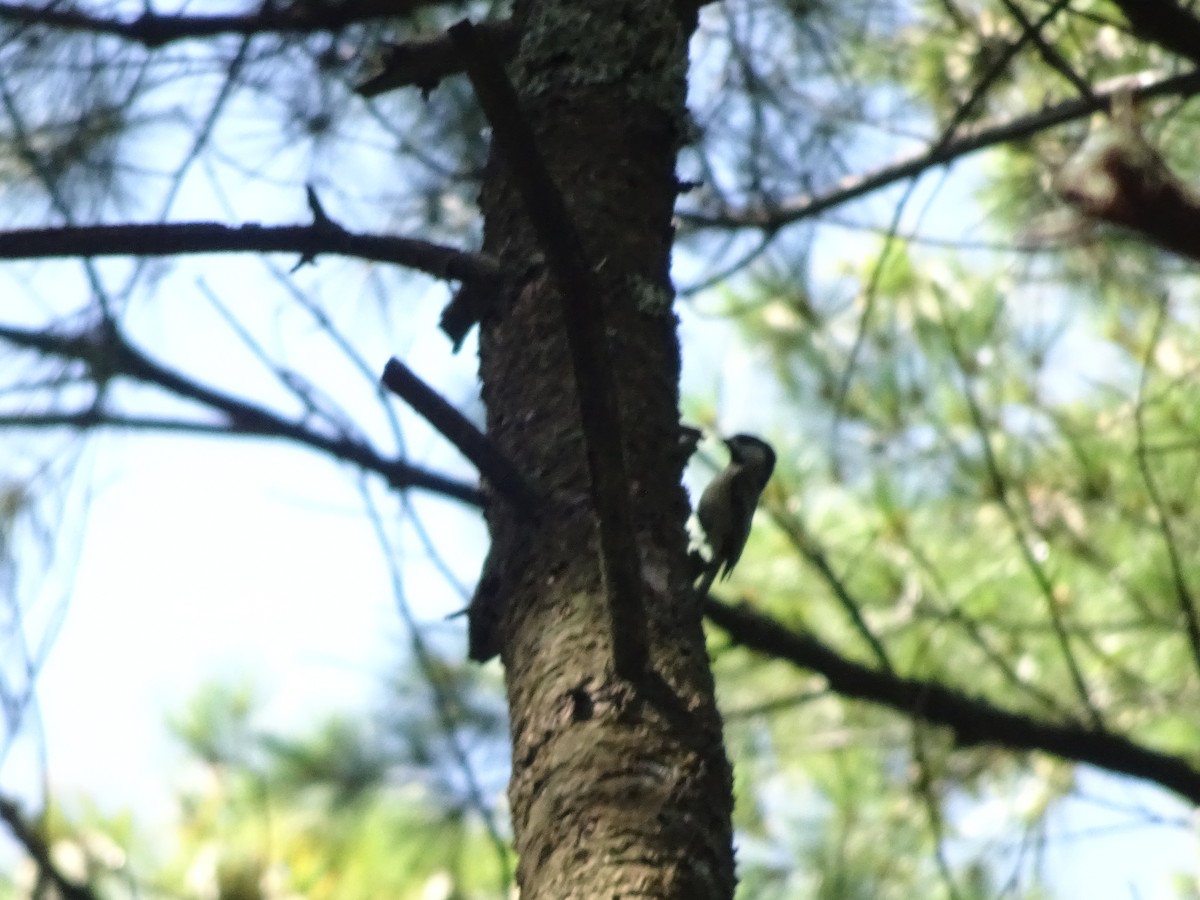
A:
(804, 544)
(1002, 492)
(926, 788)
(1183, 594)
(443, 701)
(423, 62)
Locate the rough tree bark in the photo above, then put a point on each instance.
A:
(618, 789)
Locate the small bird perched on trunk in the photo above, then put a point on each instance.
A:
(726, 508)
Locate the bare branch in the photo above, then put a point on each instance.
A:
(424, 62)
(211, 237)
(1052, 57)
(973, 721)
(105, 348)
(505, 477)
(87, 419)
(978, 137)
(154, 30)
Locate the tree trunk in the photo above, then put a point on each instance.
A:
(617, 790)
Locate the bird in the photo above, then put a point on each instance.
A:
(726, 508)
